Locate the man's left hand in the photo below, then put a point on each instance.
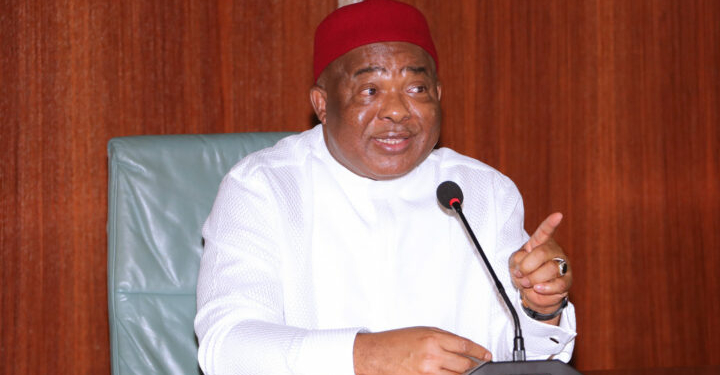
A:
(535, 272)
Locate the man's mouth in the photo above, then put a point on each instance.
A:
(393, 143)
(390, 141)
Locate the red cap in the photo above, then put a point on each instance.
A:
(370, 21)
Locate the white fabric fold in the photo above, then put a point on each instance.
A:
(300, 253)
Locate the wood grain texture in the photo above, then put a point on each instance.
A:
(74, 74)
(606, 110)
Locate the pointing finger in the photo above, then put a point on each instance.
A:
(546, 230)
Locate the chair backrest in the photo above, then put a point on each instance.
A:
(161, 189)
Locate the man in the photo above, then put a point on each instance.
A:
(329, 254)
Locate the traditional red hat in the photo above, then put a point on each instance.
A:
(370, 21)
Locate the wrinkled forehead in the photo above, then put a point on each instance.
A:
(380, 58)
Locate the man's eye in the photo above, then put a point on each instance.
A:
(370, 91)
(418, 89)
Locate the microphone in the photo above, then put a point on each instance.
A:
(451, 197)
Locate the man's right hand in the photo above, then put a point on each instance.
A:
(413, 351)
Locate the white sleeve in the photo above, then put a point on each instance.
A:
(542, 341)
(240, 323)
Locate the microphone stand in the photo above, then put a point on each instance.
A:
(518, 366)
(518, 342)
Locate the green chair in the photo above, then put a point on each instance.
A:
(161, 189)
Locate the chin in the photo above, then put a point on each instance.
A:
(388, 174)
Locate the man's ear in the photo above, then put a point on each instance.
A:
(318, 98)
(438, 87)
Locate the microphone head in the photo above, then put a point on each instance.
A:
(449, 193)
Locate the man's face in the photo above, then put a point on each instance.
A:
(380, 108)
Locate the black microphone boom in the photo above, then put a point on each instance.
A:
(450, 196)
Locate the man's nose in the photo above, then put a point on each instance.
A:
(394, 108)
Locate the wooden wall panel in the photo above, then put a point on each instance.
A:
(75, 73)
(606, 110)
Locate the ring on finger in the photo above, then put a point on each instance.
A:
(562, 266)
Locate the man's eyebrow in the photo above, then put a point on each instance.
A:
(417, 69)
(411, 68)
(369, 69)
